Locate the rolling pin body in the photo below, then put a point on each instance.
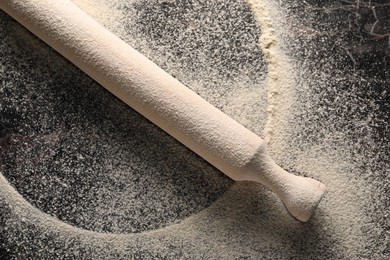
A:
(162, 99)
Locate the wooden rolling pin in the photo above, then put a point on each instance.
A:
(226, 144)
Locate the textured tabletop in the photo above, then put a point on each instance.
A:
(83, 176)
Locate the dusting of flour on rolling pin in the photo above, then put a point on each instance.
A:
(226, 144)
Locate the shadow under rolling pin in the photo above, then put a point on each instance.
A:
(223, 142)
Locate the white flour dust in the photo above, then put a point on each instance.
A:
(247, 221)
(344, 208)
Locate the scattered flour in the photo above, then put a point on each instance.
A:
(280, 80)
(349, 199)
(247, 221)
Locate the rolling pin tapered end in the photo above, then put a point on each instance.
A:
(302, 197)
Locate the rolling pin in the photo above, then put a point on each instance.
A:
(137, 81)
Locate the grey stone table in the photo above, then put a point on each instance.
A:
(83, 176)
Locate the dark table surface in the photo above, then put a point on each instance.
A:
(84, 176)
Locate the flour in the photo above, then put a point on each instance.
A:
(280, 79)
(106, 13)
(345, 207)
(248, 220)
